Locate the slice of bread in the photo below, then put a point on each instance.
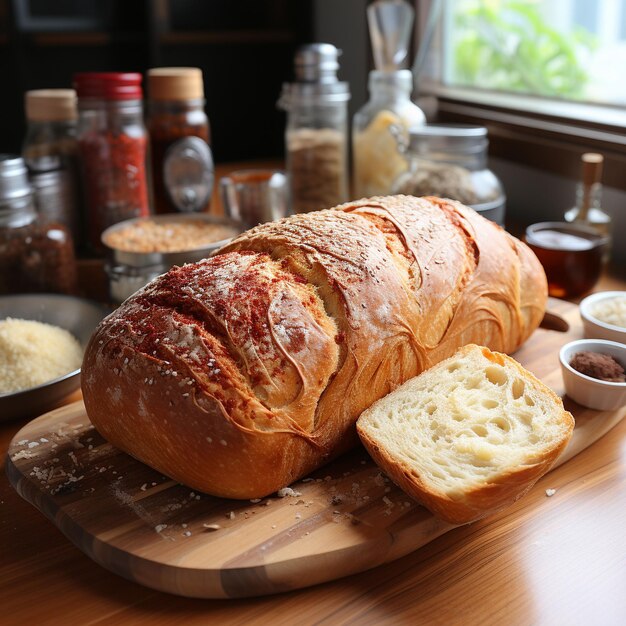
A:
(469, 436)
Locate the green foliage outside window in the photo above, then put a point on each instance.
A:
(508, 45)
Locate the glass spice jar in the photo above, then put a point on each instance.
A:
(34, 256)
(112, 142)
(450, 161)
(182, 163)
(376, 160)
(50, 153)
(316, 134)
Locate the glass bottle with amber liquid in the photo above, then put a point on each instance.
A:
(588, 209)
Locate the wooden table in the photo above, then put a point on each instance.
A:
(556, 561)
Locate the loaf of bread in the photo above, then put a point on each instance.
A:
(239, 374)
(469, 436)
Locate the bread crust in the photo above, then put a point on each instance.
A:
(295, 328)
(501, 490)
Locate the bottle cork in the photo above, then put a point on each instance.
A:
(50, 105)
(592, 168)
(175, 83)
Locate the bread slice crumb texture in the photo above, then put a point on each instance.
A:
(470, 420)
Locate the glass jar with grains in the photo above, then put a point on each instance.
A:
(317, 130)
(182, 163)
(450, 161)
(34, 256)
(112, 143)
(376, 160)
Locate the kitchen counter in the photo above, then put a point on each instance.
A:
(557, 560)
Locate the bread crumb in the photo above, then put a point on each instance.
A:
(231, 515)
(288, 491)
(159, 527)
(187, 533)
(211, 526)
(255, 500)
(550, 492)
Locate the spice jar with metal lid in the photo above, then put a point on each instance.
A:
(450, 161)
(182, 162)
(317, 129)
(34, 256)
(112, 142)
(50, 152)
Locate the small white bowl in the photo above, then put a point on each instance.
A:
(595, 328)
(588, 391)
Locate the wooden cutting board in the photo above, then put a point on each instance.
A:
(343, 519)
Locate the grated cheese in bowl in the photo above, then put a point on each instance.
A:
(33, 353)
(611, 311)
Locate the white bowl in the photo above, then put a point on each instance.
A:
(595, 328)
(588, 391)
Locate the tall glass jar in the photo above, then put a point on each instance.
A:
(450, 161)
(376, 160)
(182, 163)
(112, 141)
(50, 152)
(317, 130)
(34, 256)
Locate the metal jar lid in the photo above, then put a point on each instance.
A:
(16, 195)
(457, 138)
(315, 68)
(13, 178)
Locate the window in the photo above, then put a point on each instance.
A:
(547, 77)
(567, 49)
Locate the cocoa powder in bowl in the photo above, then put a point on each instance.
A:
(598, 365)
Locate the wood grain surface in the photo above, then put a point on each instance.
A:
(346, 518)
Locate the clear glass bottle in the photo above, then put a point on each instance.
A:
(450, 161)
(35, 256)
(376, 160)
(50, 152)
(588, 208)
(182, 163)
(112, 142)
(317, 130)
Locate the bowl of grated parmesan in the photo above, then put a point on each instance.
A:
(42, 339)
(604, 316)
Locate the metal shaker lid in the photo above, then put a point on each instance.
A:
(315, 67)
(16, 196)
(317, 63)
(13, 178)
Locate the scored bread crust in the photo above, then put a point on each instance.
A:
(502, 488)
(244, 372)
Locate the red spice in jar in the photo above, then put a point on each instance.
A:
(115, 180)
(112, 143)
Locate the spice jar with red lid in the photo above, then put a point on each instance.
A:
(182, 163)
(35, 255)
(112, 143)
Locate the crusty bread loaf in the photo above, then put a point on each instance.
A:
(239, 374)
(469, 436)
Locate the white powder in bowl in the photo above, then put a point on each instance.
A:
(611, 311)
(33, 353)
